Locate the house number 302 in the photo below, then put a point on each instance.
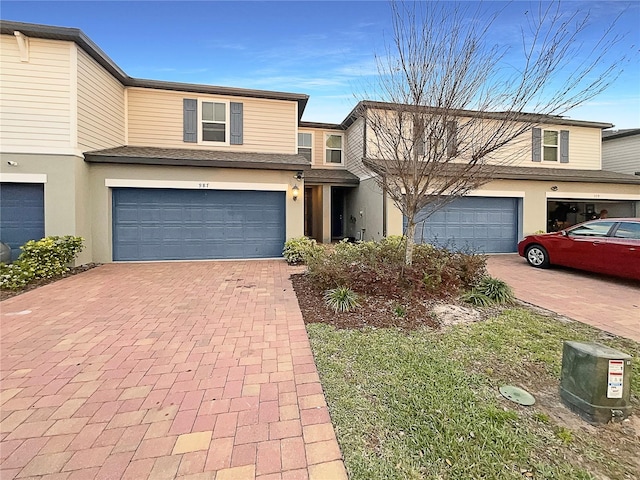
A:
(203, 185)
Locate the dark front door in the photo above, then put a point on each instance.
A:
(337, 213)
(308, 212)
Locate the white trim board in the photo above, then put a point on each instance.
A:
(496, 193)
(593, 196)
(194, 185)
(23, 177)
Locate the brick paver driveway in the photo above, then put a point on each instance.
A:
(607, 303)
(196, 370)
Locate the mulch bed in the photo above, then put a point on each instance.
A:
(374, 311)
(4, 294)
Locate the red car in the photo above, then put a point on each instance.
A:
(609, 246)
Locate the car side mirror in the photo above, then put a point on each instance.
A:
(565, 233)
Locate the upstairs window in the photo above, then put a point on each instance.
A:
(305, 141)
(550, 145)
(333, 149)
(214, 122)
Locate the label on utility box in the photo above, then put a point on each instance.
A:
(616, 374)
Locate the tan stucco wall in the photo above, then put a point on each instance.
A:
(101, 194)
(65, 193)
(534, 196)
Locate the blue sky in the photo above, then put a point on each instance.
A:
(324, 49)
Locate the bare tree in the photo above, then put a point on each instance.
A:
(452, 107)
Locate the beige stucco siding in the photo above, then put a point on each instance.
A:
(622, 154)
(101, 212)
(100, 106)
(155, 119)
(35, 113)
(66, 197)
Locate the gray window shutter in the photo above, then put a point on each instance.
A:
(536, 145)
(236, 123)
(190, 120)
(452, 138)
(564, 146)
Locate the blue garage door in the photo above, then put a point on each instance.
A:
(169, 224)
(478, 224)
(21, 214)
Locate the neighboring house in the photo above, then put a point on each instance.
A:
(521, 199)
(154, 170)
(621, 151)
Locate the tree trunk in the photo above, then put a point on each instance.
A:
(410, 237)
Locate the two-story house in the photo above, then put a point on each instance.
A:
(155, 170)
(553, 169)
(150, 170)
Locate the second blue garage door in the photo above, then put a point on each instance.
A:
(169, 224)
(478, 224)
(21, 214)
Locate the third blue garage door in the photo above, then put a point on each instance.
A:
(172, 224)
(478, 224)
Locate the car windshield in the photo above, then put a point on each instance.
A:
(595, 229)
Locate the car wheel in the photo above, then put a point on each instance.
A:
(537, 256)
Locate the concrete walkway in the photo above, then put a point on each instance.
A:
(606, 303)
(198, 370)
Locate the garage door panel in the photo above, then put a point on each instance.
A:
(481, 224)
(21, 214)
(165, 224)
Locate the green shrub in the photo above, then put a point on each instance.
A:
(474, 297)
(297, 249)
(377, 268)
(341, 299)
(45, 258)
(489, 291)
(400, 311)
(15, 275)
(497, 290)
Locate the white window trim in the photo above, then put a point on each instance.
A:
(557, 146)
(326, 136)
(227, 121)
(310, 147)
(203, 184)
(23, 177)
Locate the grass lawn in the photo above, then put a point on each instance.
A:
(425, 404)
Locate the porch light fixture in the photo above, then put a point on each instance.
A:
(295, 191)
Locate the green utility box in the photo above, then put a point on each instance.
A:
(596, 381)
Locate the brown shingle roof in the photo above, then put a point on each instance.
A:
(611, 134)
(523, 116)
(330, 175)
(197, 158)
(533, 173)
